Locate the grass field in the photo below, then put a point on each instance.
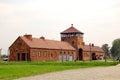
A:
(13, 70)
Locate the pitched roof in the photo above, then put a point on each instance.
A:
(47, 44)
(72, 30)
(93, 48)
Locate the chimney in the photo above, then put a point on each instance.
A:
(92, 45)
(28, 36)
(71, 25)
(42, 37)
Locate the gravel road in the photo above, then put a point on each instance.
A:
(99, 73)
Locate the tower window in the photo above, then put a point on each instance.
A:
(81, 35)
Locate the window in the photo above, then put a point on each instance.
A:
(39, 54)
(48, 54)
(64, 56)
(81, 35)
(55, 54)
(51, 55)
(87, 54)
(44, 54)
(68, 52)
(60, 52)
(72, 53)
(33, 54)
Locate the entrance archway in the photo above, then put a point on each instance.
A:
(23, 56)
(80, 54)
(18, 56)
(93, 56)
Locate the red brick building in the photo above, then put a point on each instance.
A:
(70, 48)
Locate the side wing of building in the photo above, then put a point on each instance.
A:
(93, 53)
(19, 51)
(40, 49)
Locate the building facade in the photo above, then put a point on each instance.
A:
(70, 48)
(83, 51)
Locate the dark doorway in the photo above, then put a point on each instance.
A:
(18, 56)
(93, 56)
(23, 56)
(80, 54)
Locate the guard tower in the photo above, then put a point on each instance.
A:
(75, 38)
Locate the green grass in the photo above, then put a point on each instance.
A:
(13, 70)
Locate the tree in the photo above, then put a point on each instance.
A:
(115, 50)
(105, 48)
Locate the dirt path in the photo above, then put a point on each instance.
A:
(99, 73)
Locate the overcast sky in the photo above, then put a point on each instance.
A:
(98, 19)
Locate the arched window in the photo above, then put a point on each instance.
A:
(48, 54)
(44, 54)
(39, 54)
(55, 54)
(64, 56)
(60, 57)
(33, 54)
(51, 55)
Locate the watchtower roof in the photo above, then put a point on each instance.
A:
(71, 30)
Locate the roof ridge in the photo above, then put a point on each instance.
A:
(46, 39)
(72, 30)
(46, 43)
(93, 48)
(88, 45)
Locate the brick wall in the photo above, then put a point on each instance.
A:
(87, 55)
(20, 51)
(49, 54)
(19, 46)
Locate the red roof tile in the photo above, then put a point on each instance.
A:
(71, 30)
(47, 44)
(93, 48)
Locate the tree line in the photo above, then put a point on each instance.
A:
(113, 51)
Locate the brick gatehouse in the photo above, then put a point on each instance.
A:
(70, 48)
